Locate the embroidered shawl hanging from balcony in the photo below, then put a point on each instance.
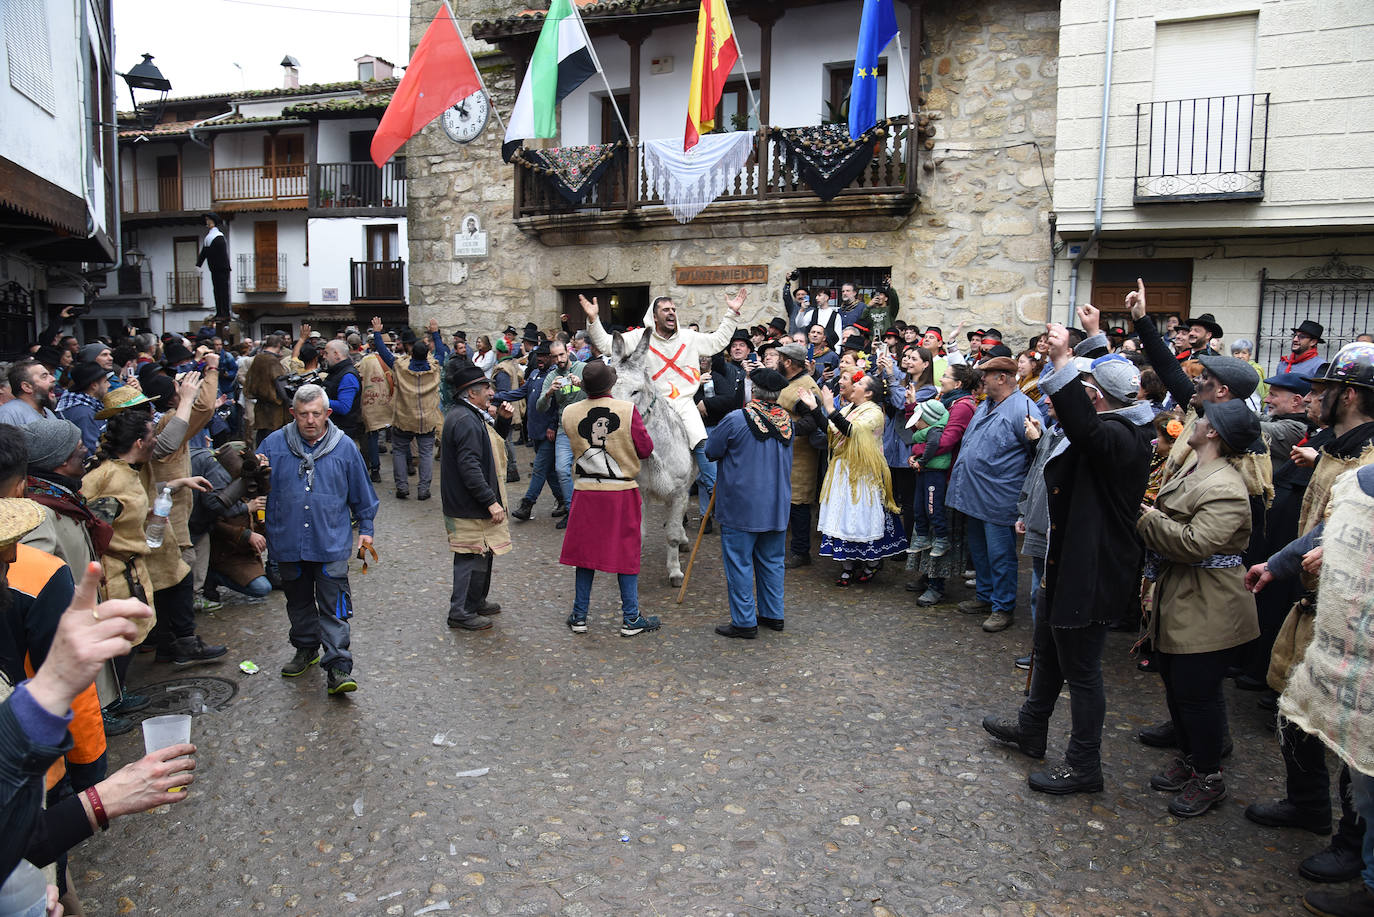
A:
(688, 181)
(825, 157)
(573, 171)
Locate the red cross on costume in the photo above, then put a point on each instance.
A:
(671, 363)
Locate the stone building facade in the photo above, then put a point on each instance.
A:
(973, 246)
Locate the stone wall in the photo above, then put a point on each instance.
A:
(976, 247)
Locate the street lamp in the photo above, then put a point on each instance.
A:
(145, 75)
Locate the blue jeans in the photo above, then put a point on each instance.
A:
(993, 548)
(629, 593)
(753, 564)
(374, 458)
(258, 588)
(930, 517)
(706, 476)
(543, 467)
(563, 459)
(1362, 786)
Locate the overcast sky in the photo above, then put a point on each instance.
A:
(196, 43)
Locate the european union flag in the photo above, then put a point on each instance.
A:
(876, 29)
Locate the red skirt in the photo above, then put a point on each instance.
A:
(603, 531)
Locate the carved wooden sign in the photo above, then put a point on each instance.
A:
(720, 274)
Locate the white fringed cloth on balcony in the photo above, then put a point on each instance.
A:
(688, 181)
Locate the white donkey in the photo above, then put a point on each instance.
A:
(666, 476)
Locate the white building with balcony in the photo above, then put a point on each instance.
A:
(1238, 171)
(316, 231)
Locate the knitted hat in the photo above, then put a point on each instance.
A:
(18, 517)
(502, 346)
(598, 378)
(88, 353)
(51, 442)
(933, 412)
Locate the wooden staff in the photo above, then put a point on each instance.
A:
(686, 577)
(1030, 670)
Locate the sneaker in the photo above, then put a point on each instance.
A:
(340, 682)
(796, 560)
(971, 582)
(1338, 862)
(1063, 779)
(471, 622)
(1023, 663)
(919, 543)
(128, 703)
(193, 650)
(202, 604)
(770, 623)
(1010, 731)
(639, 625)
(998, 621)
(576, 625)
(1284, 814)
(1173, 778)
(116, 725)
(939, 547)
(930, 597)
(743, 633)
(376, 476)
(559, 511)
(1359, 903)
(970, 574)
(974, 607)
(300, 662)
(522, 512)
(1199, 794)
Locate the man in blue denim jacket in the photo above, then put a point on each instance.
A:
(317, 474)
(985, 484)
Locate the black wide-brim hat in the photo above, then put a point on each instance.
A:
(1208, 321)
(1312, 329)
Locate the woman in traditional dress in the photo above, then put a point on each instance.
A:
(858, 521)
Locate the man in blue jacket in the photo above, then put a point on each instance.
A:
(315, 467)
(541, 428)
(752, 447)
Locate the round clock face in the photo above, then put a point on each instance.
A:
(465, 121)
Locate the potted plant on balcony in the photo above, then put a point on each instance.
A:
(386, 201)
(326, 198)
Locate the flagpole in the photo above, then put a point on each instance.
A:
(753, 103)
(463, 40)
(596, 62)
(901, 65)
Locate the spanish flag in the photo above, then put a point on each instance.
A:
(712, 61)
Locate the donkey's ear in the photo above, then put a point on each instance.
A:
(618, 347)
(642, 347)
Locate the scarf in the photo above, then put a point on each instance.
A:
(1289, 359)
(70, 400)
(67, 501)
(688, 181)
(332, 437)
(768, 420)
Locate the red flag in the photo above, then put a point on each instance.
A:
(439, 76)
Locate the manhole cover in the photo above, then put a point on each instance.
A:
(193, 694)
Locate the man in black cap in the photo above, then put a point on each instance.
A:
(752, 447)
(473, 449)
(1302, 356)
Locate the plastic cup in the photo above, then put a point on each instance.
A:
(162, 731)
(25, 892)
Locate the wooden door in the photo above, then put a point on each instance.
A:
(168, 184)
(1162, 299)
(185, 276)
(364, 178)
(265, 274)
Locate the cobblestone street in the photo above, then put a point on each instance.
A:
(835, 768)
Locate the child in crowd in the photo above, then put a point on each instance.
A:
(932, 476)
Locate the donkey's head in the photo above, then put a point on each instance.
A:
(633, 383)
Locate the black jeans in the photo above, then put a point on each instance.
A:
(1072, 655)
(904, 493)
(176, 613)
(1309, 783)
(1192, 691)
(799, 521)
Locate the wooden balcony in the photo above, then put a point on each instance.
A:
(768, 191)
(162, 197)
(265, 187)
(377, 281)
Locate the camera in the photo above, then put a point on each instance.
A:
(294, 381)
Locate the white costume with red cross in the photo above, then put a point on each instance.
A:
(673, 362)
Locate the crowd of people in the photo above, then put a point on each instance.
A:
(1157, 484)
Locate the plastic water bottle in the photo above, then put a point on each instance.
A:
(162, 508)
(25, 892)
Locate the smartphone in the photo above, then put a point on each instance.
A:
(879, 351)
(810, 352)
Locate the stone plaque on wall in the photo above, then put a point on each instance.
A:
(471, 240)
(720, 274)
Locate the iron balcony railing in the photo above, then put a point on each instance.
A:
(165, 195)
(625, 185)
(377, 281)
(261, 275)
(183, 288)
(359, 184)
(1202, 149)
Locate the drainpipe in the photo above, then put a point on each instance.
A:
(1101, 163)
(1054, 253)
